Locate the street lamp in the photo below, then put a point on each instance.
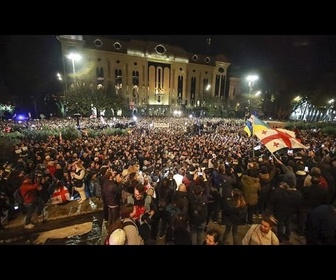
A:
(73, 57)
(77, 116)
(331, 109)
(59, 76)
(251, 79)
(207, 88)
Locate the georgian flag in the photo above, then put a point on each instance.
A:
(60, 195)
(276, 139)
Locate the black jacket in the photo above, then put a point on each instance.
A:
(111, 192)
(321, 226)
(233, 215)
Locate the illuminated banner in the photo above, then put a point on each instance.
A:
(161, 125)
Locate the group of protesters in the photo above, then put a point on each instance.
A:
(177, 179)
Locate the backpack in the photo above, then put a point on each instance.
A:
(173, 211)
(162, 202)
(197, 210)
(127, 223)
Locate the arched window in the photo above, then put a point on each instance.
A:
(135, 78)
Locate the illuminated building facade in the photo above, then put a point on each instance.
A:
(151, 75)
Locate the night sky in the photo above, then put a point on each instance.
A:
(29, 63)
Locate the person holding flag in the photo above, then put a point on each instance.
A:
(248, 127)
(274, 139)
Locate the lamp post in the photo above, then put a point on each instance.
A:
(331, 110)
(251, 79)
(60, 78)
(207, 89)
(61, 98)
(77, 116)
(74, 57)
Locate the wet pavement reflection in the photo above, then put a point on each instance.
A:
(91, 238)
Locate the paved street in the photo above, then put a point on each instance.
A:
(79, 215)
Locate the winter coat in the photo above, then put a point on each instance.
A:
(321, 226)
(284, 202)
(233, 215)
(266, 180)
(198, 209)
(229, 181)
(111, 192)
(182, 203)
(313, 196)
(28, 191)
(250, 188)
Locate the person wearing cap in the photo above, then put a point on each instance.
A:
(301, 214)
(300, 174)
(262, 234)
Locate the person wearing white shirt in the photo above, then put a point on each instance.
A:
(178, 177)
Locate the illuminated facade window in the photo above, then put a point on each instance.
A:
(149, 74)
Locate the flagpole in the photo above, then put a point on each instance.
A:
(253, 146)
(278, 160)
(253, 154)
(273, 155)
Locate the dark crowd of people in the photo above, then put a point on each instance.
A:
(172, 181)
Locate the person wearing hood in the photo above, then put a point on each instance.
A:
(267, 185)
